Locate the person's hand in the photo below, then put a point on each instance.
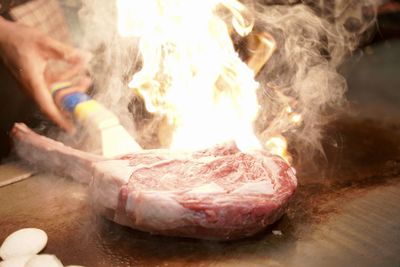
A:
(27, 52)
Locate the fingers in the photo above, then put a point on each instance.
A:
(44, 100)
(58, 50)
(40, 73)
(78, 56)
(82, 86)
(71, 64)
(49, 108)
(55, 49)
(71, 72)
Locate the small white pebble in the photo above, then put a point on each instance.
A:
(27, 241)
(44, 260)
(16, 262)
(277, 232)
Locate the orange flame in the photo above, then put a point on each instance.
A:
(278, 145)
(191, 72)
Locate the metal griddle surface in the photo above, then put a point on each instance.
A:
(346, 213)
(365, 232)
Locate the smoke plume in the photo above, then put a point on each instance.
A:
(300, 78)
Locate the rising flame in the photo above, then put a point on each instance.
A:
(277, 145)
(191, 72)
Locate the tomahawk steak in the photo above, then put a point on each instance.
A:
(219, 193)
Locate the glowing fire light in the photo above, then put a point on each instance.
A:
(296, 118)
(277, 145)
(191, 72)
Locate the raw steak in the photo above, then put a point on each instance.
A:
(219, 193)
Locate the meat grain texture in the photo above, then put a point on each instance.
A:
(219, 193)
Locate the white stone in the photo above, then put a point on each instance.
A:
(27, 241)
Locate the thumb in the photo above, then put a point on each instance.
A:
(56, 49)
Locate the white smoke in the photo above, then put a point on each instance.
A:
(115, 58)
(302, 73)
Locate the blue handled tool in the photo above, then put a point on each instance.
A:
(115, 140)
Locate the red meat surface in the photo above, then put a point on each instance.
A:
(219, 193)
